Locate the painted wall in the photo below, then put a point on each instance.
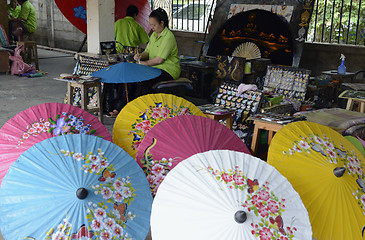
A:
(64, 34)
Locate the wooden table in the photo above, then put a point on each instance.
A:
(354, 97)
(336, 118)
(351, 101)
(227, 117)
(342, 78)
(271, 127)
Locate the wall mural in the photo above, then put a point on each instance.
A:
(75, 12)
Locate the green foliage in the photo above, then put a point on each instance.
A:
(337, 27)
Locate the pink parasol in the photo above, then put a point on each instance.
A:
(40, 122)
(173, 140)
(75, 12)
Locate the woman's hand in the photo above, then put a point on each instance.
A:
(152, 62)
(142, 56)
(137, 57)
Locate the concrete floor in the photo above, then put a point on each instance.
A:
(20, 93)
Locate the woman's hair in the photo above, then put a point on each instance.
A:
(160, 15)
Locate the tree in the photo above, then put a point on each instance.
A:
(338, 21)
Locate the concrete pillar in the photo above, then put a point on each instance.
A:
(100, 23)
(50, 22)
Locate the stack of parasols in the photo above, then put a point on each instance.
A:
(170, 168)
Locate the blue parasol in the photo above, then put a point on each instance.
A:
(75, 187)
(126, 72)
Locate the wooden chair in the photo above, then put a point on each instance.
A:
(30, 53)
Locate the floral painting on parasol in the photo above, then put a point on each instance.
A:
(140, 115)
(75, 187)
(40, 122)
(173, 140)
(227, 195)
(328, 173)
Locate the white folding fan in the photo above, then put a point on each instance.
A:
(247, 50)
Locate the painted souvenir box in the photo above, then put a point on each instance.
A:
(287, 81)
(230, 69)
(244, 105)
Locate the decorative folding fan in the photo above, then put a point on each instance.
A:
(247, 50)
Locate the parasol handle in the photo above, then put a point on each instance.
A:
(126, 91)
(240, 216)
(339, 171)
(81, 193)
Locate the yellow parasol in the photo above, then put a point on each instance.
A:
(141, 114)
(327, 172)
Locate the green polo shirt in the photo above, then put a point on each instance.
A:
(129, 33)
(28, 13)
(165, 46)
(15, 12)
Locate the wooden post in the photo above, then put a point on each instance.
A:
(4, 16)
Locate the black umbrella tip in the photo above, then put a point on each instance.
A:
(339, 171)
(81, 193)
(240, 216)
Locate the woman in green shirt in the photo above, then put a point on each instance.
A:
(161, 52)
(25, 23)
(13, 9)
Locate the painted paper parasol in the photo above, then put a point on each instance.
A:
(126, 72)
(75, 12)
(173, 140)
(141, 114)
(223, 194)
(75, 187)
(41, 122)
(328, 173)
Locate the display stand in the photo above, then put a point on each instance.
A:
(84, 86)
